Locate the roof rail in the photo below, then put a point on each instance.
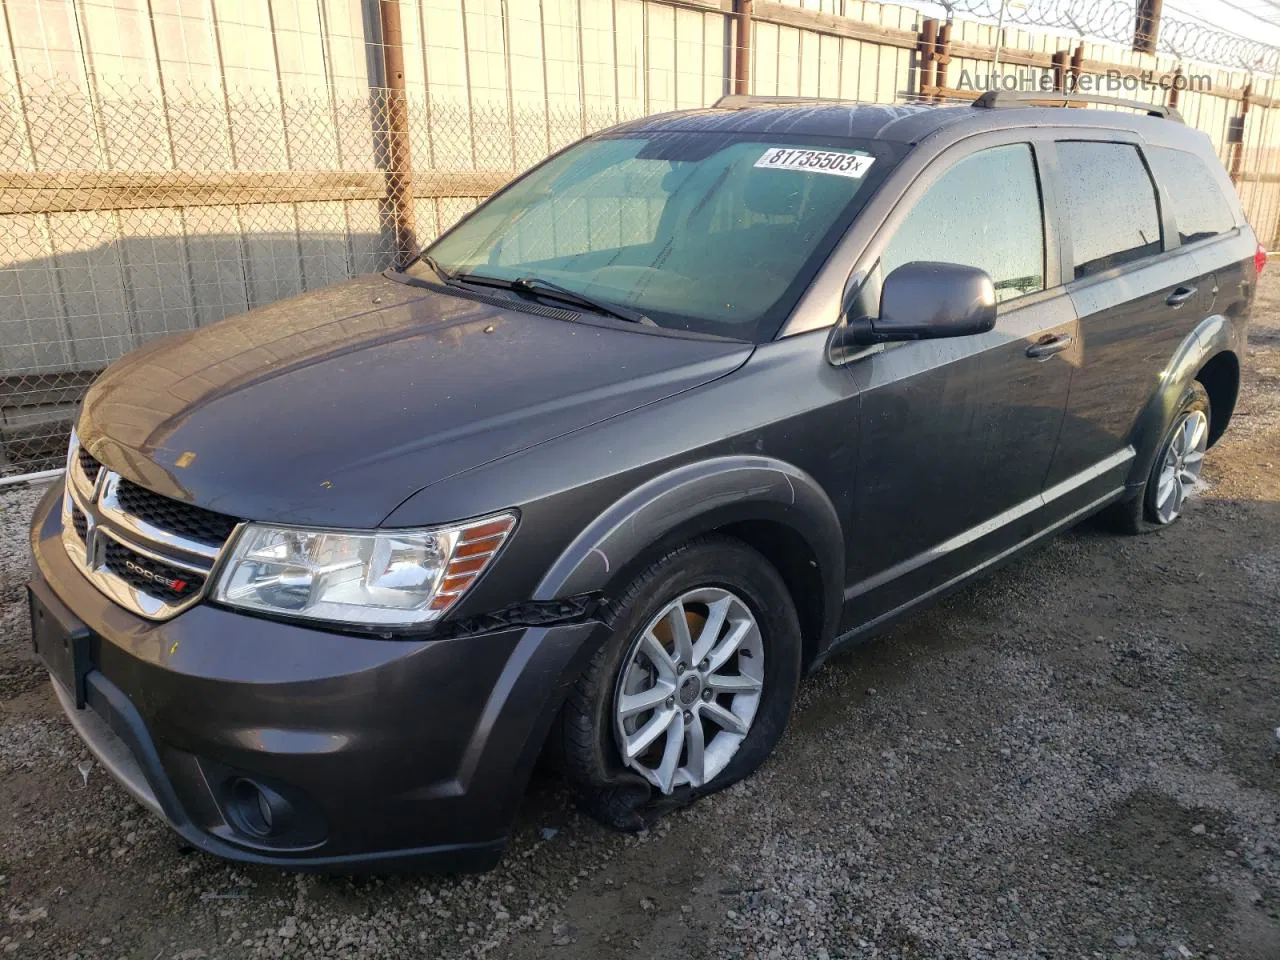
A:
(995, 99)
(737, 101)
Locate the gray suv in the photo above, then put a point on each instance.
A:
(620, 457)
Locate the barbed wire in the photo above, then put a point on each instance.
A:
(1113, 20)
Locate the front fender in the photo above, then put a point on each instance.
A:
(694, 499)
(1212, 336)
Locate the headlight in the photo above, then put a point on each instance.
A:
(379, 578)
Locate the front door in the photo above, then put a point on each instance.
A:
(957, 434)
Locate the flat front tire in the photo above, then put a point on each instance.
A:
(693, 688)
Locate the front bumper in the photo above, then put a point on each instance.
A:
(406, 754)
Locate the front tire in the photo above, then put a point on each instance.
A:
(691, 692)
(1175, 470)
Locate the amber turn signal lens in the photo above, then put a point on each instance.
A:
(478, 544)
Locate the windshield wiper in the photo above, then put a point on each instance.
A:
(536, 286)
(438, 270)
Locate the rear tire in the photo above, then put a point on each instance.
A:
(709, 722)
(1174, 470)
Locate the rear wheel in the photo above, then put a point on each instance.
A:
(1175, 471)
(692, 691)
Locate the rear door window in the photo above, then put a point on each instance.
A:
(1109, 204)
(983, 212)
(1194, 193)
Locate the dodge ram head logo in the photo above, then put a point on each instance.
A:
(177, 586)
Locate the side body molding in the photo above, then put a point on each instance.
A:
(693, 499)
(1212, 336)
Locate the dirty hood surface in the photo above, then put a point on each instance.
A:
(333, 407)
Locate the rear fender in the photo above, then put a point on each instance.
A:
(1214, 335)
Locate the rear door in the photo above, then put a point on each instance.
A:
(956, 434)
(1208, 222)
(1138, 294)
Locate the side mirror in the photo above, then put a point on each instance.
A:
(925, 301)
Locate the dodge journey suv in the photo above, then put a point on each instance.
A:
(621, 456)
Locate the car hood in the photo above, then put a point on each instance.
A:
(332, 408)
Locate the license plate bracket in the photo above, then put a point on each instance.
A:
(60, 639)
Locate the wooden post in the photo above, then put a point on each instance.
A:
(943, 57)
(1146, 26)
(1077, 61)
(742, 59)
(925, 51)
(399, 200)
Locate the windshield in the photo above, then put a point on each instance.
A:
(710, 232)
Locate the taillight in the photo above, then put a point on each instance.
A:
(1259, 259)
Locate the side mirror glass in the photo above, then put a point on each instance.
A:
(925, 301)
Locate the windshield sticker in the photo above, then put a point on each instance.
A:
(817, 161)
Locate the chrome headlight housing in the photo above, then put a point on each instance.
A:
(379, 578)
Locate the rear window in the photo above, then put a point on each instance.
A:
(1110, 205)
(1198, 204)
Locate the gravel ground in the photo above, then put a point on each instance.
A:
(1078, 756)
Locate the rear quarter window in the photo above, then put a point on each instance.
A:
(1109, 205)
(1194, 193)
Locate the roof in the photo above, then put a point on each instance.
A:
(902, 123)
(873, 121)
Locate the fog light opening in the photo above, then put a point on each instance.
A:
(264, 811)
(258, 810)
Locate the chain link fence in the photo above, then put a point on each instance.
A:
(125, 216)
(137, 201)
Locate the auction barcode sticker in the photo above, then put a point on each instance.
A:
(818, 161)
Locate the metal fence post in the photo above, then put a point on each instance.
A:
(1059, 61)
(742, 60)
(1146, 25)
(1077, 63)
(943, 58)
(399, 154)
(995, 60)
(925, 50)
(1235, 135)
(1175, 92)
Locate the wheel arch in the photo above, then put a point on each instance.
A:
(1220, 377)
(772, 506)
(1212, 347)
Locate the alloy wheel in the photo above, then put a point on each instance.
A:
(689, 689)
(1180, 469)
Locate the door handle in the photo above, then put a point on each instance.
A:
(1045, 348)
(1180, 296)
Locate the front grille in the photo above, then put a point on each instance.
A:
(152, 577)
(88, 465)
(80, 523)
(174, 516)
(151, 554)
